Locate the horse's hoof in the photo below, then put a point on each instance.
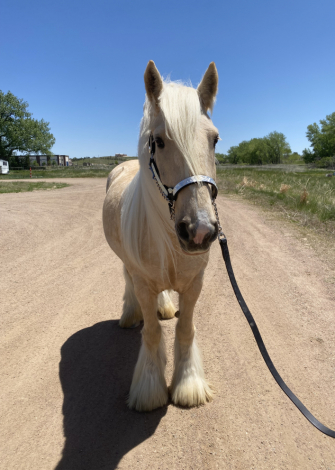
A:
(191, 394)
(123, 324)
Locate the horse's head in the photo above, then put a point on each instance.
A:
(184, 145)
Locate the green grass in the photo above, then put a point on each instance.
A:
(22, 186)
(94, 161)
(309, 193)
(102, 160)
(60, 172)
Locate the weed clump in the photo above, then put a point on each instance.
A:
(284, 188)
(304, 197)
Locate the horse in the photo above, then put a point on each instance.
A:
(159, 218)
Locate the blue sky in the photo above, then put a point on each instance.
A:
(80, 65)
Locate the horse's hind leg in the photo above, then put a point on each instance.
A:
(148, 389)
(189, 386)
(132, 313)
(166, 309)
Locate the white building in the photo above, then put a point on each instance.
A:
(4, 167)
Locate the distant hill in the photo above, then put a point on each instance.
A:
(109, 160)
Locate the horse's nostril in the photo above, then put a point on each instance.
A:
(182, 230)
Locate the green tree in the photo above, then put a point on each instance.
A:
(19, 132)
(322, 139)
(233, 155)
(259, 151)
(222, 158)
(308, 156)
(278, 147)
(256, 152)
(293, 158)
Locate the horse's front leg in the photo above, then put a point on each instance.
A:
(189, 386)
(148, 389)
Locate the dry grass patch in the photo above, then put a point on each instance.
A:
(304, 197)
(284, 188)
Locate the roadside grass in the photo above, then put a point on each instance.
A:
(275, 167)
(98, 161)
(61, 172)
(307, 197)
(22, 186)
(95, 161)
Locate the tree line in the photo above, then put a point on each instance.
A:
(274, 148)
(22, 135)
(322, 139)
(258, 151)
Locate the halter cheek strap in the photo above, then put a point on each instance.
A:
(171, 194)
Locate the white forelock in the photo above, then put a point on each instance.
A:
(144, 212)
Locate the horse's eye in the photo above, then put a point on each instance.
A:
(216, 140)
(159, 142)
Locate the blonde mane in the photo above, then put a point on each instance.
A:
(142, 214)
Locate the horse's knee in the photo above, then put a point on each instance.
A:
(132, 313)
(152, 335)
(185, 333)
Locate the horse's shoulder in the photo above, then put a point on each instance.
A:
(125, 170)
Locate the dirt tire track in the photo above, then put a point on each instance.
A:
(61, 295)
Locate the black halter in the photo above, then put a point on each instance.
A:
(171, 194)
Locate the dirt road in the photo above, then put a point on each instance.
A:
(66, 366)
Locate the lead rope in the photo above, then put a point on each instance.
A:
(225, 253)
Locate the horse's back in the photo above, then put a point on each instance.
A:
(118, 179)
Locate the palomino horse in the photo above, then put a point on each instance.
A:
(162, 249)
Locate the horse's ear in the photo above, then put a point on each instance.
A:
(153, 82)
(208, 87)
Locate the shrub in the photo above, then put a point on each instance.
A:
(326, 162)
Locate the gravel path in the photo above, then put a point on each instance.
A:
(66, 366)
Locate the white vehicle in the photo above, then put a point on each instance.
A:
(4, 167)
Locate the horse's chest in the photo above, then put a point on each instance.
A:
(179, 276)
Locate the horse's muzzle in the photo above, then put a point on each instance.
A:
(196, 237)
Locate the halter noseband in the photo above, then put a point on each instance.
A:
(171, 194)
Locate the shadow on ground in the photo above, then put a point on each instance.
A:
(96, 368)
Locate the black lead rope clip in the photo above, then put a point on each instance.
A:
(225, 253)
